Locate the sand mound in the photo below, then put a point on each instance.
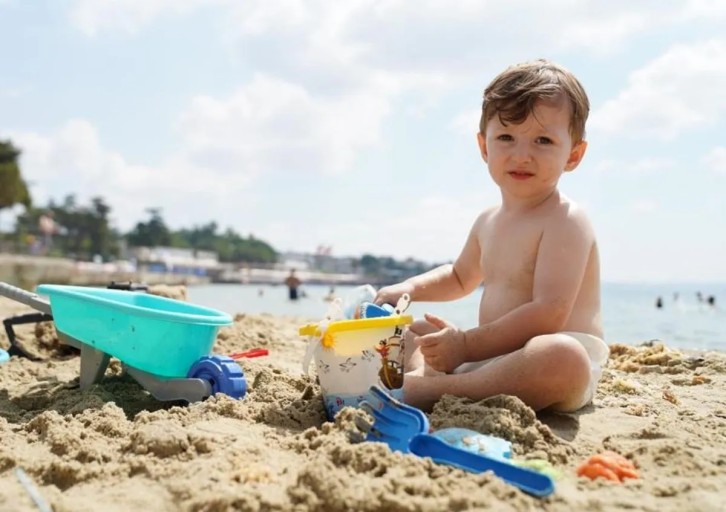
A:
(115, 447)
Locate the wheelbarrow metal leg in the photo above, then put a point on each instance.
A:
(93, 361)
(93, 366)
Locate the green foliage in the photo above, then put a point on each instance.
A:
(153, 233)
(229, 246)
(234, 248)
(85, 231)
(82, 231)
(13, 189)
(390, 268)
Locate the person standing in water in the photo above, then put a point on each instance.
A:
(293, 283)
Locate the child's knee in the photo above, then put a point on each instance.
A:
(567, 359)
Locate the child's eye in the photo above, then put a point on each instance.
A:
(504, 137)
(543, 140)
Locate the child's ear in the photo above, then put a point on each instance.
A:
(482, 146)
(576, 154)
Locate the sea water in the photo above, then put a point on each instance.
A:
(629, 311)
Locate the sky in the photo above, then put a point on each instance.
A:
(352, 124)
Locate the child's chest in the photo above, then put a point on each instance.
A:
(509, 250)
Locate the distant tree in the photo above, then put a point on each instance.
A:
(252, 250)
(370, 264)
(229, 246)
(103, 239)
(202, 238)
(153, 233)
(13, 189)
(83, 231)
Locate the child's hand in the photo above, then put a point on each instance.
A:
(444, 350)
(391, 294)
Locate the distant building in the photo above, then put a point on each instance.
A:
(174, 260)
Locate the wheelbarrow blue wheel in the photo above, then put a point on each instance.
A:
(223, 373)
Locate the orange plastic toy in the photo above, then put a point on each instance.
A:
(610, 465)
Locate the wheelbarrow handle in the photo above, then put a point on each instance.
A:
(25, 297)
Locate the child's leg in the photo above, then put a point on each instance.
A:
(552, 370)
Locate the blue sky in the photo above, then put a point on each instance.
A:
(352, 124)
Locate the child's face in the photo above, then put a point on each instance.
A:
(526, 160)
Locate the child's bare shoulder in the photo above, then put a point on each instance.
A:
(482, 224)
(487, 214)
(570, 217)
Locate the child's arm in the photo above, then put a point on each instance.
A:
(562, 258)
(446, 282)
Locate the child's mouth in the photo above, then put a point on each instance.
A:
(520, 175)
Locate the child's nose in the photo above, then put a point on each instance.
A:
(521, 152)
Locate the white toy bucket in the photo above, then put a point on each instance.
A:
(353, 355)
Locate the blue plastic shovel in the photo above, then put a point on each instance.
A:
(405, 429)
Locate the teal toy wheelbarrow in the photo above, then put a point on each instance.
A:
(164, 344)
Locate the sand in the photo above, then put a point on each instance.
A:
(114, 447)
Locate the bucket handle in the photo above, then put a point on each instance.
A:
(402, 304)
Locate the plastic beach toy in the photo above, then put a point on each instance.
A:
(404, 428)
(370, 310)
(475, 442)
(4, 356)
(609, 465)
(353, 355)
(154, 334)
(162, 343)
(541, 466)
(356, 297)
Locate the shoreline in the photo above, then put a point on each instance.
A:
(273, 450)
(28, 271)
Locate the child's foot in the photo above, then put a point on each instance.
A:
(415, 391)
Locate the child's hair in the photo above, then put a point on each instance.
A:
(512, 95)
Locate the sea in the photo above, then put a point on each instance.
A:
(630, 314)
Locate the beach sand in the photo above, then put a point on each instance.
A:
(114, 447)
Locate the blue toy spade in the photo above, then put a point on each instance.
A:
(405, 429)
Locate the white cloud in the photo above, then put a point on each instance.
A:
(642, 166)
(644, 206)
(426, 47)
(11, 92)
(273, 125)
(92, 16)
(431, 228)
(715, 160)
(607, 33)
(707, 9)
(74, 161)
(399, 34)
(682, 89)
(466, 123)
